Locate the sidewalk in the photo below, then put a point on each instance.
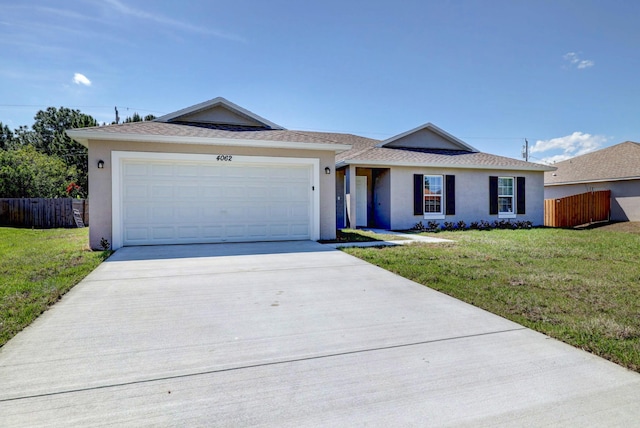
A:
(405, 239)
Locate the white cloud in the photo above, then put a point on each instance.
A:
(576, 144)
(574, 59)
(586, 64)
(81, 79)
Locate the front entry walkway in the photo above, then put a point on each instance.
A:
(290, 334)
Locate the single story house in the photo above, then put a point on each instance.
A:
(427, 174)
(216, 172)
(615, 168)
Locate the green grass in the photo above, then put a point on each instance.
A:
(357, 235)
(36, 268)
(579, 286)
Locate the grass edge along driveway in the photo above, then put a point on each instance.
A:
(37, 267)
(578, 286)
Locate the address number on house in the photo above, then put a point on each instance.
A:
(224, 158)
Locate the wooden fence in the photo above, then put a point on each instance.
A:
(43, 213)
(578, 209)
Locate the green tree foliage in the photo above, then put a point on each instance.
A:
(28, 173)
(47, 136)
(6, 137)
(137, 118)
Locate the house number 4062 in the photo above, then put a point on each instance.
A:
(224, 158)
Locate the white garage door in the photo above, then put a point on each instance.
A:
(180, 202)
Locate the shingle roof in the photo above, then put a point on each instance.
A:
(618, 162)
(198, 130)
(363, 150)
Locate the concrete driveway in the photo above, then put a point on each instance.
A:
(290, 334)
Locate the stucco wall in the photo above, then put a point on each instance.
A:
(100, 179)
(472, 195)
(625, 196)
(341, 221)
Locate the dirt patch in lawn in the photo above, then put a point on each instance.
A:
(625, 226)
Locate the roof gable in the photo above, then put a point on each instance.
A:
(429, 137)
(218, 111)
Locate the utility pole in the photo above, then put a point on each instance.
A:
(525, 150)
(117, 117)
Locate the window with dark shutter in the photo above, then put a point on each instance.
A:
(418, 194)
(450, 198)
(493, 195)
(520, 195)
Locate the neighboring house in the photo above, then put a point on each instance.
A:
(215, 172)
(615, 168)
(426, 174)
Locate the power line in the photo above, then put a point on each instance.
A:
(78, 107)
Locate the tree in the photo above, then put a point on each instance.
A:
(137, 118)
(47, 136)
(27, 173)
(6, 137)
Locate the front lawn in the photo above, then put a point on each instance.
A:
(36, 268)
(579, 286)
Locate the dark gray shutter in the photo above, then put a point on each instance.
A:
(418, 194)
(450, 197)
(520, 195)
(493, 195)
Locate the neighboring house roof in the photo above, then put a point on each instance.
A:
(615, 163)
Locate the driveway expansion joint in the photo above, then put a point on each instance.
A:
(253, 366)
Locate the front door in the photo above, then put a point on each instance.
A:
(361, 200)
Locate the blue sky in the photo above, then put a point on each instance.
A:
(561, 73)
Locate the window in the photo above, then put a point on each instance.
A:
(505, 197)
(433, 195)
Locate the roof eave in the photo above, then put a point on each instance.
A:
(602, 180)
(445, 165)
(84, 138)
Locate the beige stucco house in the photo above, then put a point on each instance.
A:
(615, 168)
(216, 172)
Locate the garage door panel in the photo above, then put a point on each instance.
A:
(211, 192)
(135, 191)
(187, 192)
(167, 202)
(136, 234)
(188, 232)
(133, 169)
(161, 191)
(185, 171)
(165, 232)
(213, 232)
(161, 170)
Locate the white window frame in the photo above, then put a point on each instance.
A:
(433, 215)
(512, 213)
